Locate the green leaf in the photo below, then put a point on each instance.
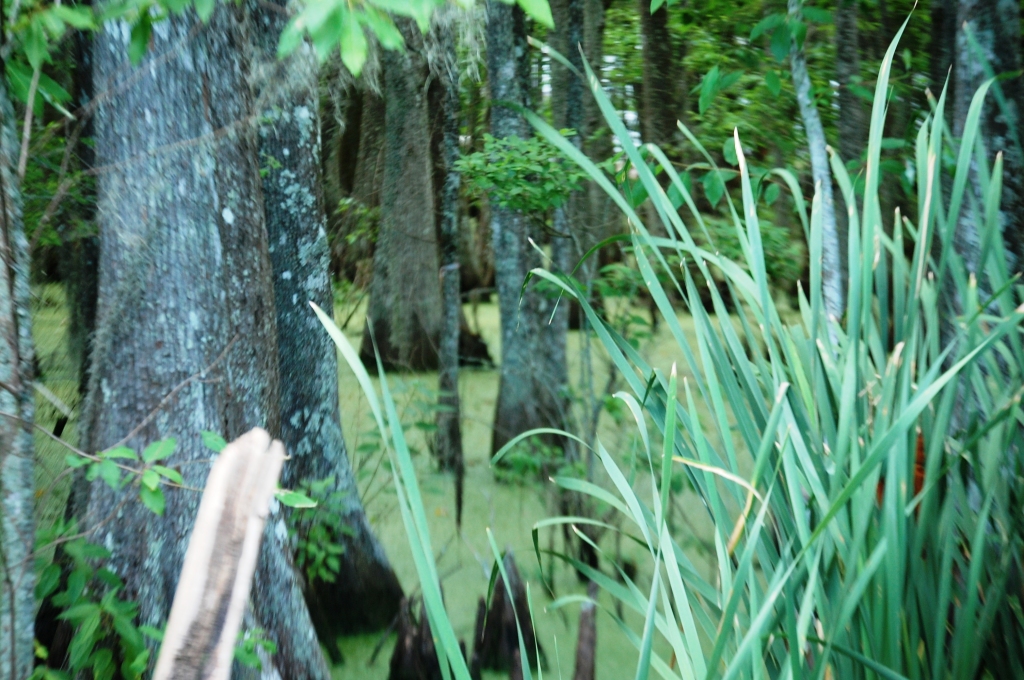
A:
(656, 5)
(708, 89)
(771, 193)
(213, 441)
(150, 480)
(37, 48)
(159, 450)
(772, 82)
(353, 42)
(73, 460)
(816, 14)
(79, 16)
(153, 499)
(48, 581)
(119, 452)
(769, 23)
(294, 499)
(729, 151)
(169, 473)
(383, 27)
(83, 641)
(714, 188)
(110, 473)
(539, 11)
(780, 42)
(152, 633)
(291, 37)
(80, 612)
(204, 8)
(141, 33)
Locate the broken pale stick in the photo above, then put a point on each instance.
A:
(213, 588)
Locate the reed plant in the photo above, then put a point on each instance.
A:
(863, 474)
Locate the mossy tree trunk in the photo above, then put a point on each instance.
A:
(404, 313)
(186, 336)
(448, 442)
(365, 592)
(17, 404)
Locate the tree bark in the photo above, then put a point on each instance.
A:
(525, 392)
(995, 25)
(658, 115)
(943, 37)
(185, 303)
(80, 260)
(586, 643)
(365, 593)
(832, 284)
(851, 121)
(566, 241)
(448, 444)
(353, 252)
(17, 404)
(404, 314)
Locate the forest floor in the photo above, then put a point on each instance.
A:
(509, 509)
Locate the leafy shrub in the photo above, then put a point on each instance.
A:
(318, 531)
(527, 175)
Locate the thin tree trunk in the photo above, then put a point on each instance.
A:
(17, 478)
(185, 302)
(940, 47)
(520, 406)
(448, 445)
(586, 643)
(851, 121)
(995, 25)
(365, 593)
(404, 315)
(831, 254)
(567, 111)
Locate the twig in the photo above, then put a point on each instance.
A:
(383, 638)
(170, 395)
(94, 458)
(26, 131)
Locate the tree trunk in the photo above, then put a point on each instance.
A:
(365, 593)
(586, 644)
(17, 404)
(851, 121)
(831, 254)
(658, 115)
(525, 392)
(566, 241)
(355, 230)
(448, 445)
(995, 25)
(80, 260)
(186, 338)
(940, 47)
(404, 315)
(497, 630)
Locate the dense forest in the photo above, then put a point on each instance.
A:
(604, 338)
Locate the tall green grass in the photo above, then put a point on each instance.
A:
(821, 571)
